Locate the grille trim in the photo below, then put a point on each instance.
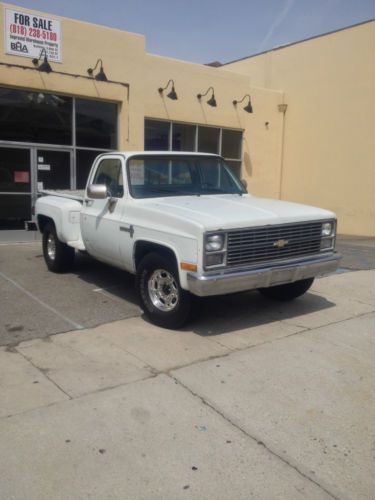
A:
(254, 246)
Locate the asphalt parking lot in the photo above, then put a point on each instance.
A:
(253, 399)
(36, 303)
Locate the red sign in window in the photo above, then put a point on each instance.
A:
(21, 177)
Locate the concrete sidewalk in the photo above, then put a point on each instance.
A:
(281, 407)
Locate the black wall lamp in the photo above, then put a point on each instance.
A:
(100, 76)
(248, 108)
(45, 66)
(212, 101)
(172, 94)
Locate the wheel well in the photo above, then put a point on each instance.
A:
(43, 220)
(145, 247)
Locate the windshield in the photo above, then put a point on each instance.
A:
(158, 176)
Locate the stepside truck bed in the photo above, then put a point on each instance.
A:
(71, 194)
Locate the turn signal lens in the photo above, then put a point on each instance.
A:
(189, 267)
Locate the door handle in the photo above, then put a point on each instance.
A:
(129, 230)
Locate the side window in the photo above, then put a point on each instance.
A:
(109, 172)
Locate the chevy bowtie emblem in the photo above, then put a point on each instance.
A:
(280, 243)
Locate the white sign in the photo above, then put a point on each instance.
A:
(44, 167)
(137, 172)
(27, 34)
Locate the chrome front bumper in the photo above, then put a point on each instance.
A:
(262, 277)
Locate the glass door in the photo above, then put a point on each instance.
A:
(15, 185)
(53, 169)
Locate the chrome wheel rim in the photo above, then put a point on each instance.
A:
(163, 290)
(51, 247)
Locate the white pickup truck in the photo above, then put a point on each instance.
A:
(185, 225)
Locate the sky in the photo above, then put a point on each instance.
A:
(203, 31)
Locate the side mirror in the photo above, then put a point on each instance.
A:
(244, 183)
(97, 191)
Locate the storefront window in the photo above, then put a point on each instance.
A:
(84, 161)
(35, 117)
(156, 135)
(191, 137)
(42, 124)
(96, 124)
(235, 167)
(208, 139)
(231, 146)
(183, 137)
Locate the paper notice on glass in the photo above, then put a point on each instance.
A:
(40, 186)
(40, 159)
(137, 172)
(44, 167)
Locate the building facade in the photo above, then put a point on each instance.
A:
(53, 123)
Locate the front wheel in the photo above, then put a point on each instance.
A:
(289, 291)
(57, 255)
(162, 299)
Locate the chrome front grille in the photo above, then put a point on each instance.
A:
(263, 244)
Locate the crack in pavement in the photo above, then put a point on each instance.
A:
(253, 438)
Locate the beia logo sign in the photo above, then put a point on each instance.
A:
(17, 46)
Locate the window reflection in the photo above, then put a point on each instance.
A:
(156, 135)
(27, 116)
(208, 139)
(96, 124)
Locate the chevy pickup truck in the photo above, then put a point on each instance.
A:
(186, 226)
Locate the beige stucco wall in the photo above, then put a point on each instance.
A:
(125, 60)
(329, 148)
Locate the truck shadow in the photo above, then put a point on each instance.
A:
(108, 280)
(213, 315)
(240, 311)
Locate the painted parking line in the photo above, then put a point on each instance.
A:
(106, 288)
(72, 323)
(106, 292)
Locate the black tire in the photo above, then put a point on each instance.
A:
(58, 256)
(289, 291)
(169, 307)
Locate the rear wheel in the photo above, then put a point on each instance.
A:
(58, 256)
(289, 291)
(162, 299)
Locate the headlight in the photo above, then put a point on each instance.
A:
(214, 242)
(327, 228)
(328, 236)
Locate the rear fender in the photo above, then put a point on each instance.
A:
(64, 213)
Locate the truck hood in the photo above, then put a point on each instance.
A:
(214, 212)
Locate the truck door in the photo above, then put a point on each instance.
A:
(100, 219)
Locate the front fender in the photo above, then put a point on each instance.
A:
(184, 249)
